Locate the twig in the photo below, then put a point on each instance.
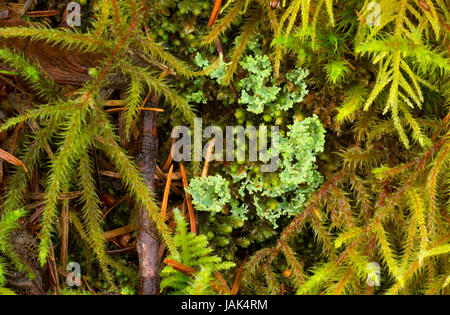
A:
(120, 231)
(170, 157)
(237, 280)
(119, 109)
(88, 286)
(115, 205)
(166, 193)
(65, 233)
(188, 271)
(147, 243)
(215, 12)
(188, 200)
(209, 151)
(46, 13)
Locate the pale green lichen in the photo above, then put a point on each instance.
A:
(261, 93)
(274, 195)
(209, 193)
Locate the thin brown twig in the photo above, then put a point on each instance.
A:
(165, 200)
(188, 200)
(237, 280)
(209, 151)
(115, 205)
(170, 157)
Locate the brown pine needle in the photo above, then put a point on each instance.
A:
(120, 231)
(237, 280)
(88, 286)
(170, 157)
(208, 157)
(166, 193)
(62, 196)
(113, 103)
(115, 205)
(12, 159)
(188, 200)
(109, 174)
(65, 234)
(119, 109)
(223, 284)
(154, 109)
(188, 271)
(46, 13)
(214, 13)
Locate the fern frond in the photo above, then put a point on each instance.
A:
(194, 253)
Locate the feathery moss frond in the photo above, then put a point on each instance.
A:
(92, 215)
(248, 31)
(67, 38)
(158, 86)
(75, 139)
(41, 83)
